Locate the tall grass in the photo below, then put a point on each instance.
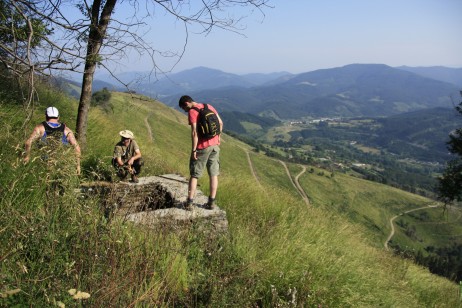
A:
(363, 202)
(326, 247)
(278, 251)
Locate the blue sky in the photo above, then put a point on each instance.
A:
(304, 35)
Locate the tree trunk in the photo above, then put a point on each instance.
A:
(96, 35)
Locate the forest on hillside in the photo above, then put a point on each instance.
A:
(406, 151)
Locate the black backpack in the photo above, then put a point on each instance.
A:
(54, 134)
(208, 125)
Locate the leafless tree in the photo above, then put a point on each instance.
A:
(20, 31)
(80, 35)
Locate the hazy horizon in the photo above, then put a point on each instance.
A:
(145, 72)
(302, 36)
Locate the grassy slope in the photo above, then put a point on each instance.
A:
(372, 205)
(282, 223)
(277, 244)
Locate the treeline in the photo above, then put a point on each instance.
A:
(444, 261)
(382, 167)
(424, 141)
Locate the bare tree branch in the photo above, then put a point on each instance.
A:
(46, 36)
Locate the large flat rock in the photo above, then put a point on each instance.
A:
(157, 202)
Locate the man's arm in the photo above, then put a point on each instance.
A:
(118, 155)
(221, 123)
(135, 157)
(194, 140)
(221, 126)
(71, 139)
(36, 133)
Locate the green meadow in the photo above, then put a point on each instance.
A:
(279, 252)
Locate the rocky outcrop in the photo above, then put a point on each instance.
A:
(157, 202)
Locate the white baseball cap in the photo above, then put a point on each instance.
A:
(52, 112)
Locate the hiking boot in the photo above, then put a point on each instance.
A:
(188, 206)
(123, 179)
(210, 206)
(135, 179)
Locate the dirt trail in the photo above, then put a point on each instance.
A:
(252, 169)
(148, 127)
(296, 184)
(401, 214)
(300, 188)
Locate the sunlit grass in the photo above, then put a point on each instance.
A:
(365, 202)
(272, 173)
(279, 251)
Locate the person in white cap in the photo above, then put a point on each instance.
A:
(52, 129)
(127, 156)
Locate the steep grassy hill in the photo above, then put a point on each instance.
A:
(280, 251)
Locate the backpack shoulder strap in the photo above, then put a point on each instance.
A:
(50, 129)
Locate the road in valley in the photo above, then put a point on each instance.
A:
(401, 214)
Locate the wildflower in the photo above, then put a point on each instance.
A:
(72, 291)
(60, 304)
(81, 295)
(78, 294)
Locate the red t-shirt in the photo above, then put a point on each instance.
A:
(192, 118)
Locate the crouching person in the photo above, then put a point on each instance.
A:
(127, 157)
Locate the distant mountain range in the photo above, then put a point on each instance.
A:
(441, 73)
(196, 79)
(348, 91)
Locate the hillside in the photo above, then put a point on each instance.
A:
(195, 79)
(353, 90)
(445, 74)
(280, 251)
(425, 133)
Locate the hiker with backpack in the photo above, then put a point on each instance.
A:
(127, 157)
(52, 134)
(206, 126)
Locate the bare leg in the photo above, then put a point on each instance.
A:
(192, 188)
(213, 186)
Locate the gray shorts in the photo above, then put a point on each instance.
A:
(208, 157)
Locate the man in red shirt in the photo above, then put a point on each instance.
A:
(205, 153)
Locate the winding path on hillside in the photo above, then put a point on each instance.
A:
(252, 169)
(296, 184)
(401, 214)
(300, 188)
(148, 127)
